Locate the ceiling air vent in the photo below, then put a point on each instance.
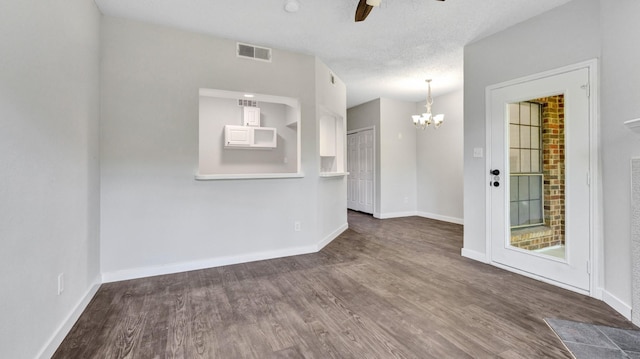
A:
(254, 52)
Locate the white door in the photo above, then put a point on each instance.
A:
(360, 161)
(353, 169)
(539, 164)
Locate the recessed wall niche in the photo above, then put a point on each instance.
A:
(331, 132)
(231, 146)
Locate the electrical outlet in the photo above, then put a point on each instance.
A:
(60, 283)
(296, 226)
(406, 200)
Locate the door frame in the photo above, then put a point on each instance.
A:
(596, 262)
(375, 166)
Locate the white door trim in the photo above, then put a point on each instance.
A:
(596, 263)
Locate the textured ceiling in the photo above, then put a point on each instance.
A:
(390, 54)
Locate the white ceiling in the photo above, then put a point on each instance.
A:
(390, 54)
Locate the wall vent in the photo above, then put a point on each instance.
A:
(247, 103)
(253, 52)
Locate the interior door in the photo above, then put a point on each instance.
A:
(539, 166)
(360, 164)
(354, 173)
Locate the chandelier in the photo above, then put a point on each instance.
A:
(423, 121)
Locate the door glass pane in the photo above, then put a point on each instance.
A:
(536, 176)
(525, 160)
(525, 137)
(535, 161)
(523, 192)
(514, 135)
(535, 137)
(514, 160)
(525, 113)
(514, 113)
(535, 115)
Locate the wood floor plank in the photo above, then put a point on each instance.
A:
(395, 288)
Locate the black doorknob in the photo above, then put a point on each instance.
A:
(496, 183)
(495, 172)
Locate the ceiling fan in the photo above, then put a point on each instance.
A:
(365, 7)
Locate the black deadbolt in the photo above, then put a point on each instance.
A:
(495, 172)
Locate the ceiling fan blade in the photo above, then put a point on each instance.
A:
(363, 10)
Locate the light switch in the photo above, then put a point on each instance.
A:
(477, 152)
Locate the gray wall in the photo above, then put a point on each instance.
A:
(575, 31)
(50, 172)
(439, 161)
(620, 101)
(154, 216)
(398, 193)
(364, 115)
(578, 31)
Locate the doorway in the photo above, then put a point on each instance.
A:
(361, 168)
(540, 200)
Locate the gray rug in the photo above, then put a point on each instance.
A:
(589, 341)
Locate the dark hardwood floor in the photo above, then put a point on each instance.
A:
(395, 288)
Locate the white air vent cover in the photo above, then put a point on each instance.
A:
(254, 52)
(247, 103)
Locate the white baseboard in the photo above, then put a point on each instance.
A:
(617, 304)
(476, 256)
(58, 336)
(151, 271)
(395, 215)
(441, 218)
(333, 235)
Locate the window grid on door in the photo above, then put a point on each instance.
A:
(525, 160)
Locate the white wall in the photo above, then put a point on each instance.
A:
(398, 193)
(155, 218)
(581, 30)
(49, 200)
(439, 161)
(619, 102)
(332, 191)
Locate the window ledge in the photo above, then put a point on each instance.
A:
(532, 232)
(217, 177)
(333, 174)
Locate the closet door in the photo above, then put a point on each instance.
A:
(361, 164)
(353, 169)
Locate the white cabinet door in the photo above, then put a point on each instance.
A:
(238, 136)
(251, 116)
